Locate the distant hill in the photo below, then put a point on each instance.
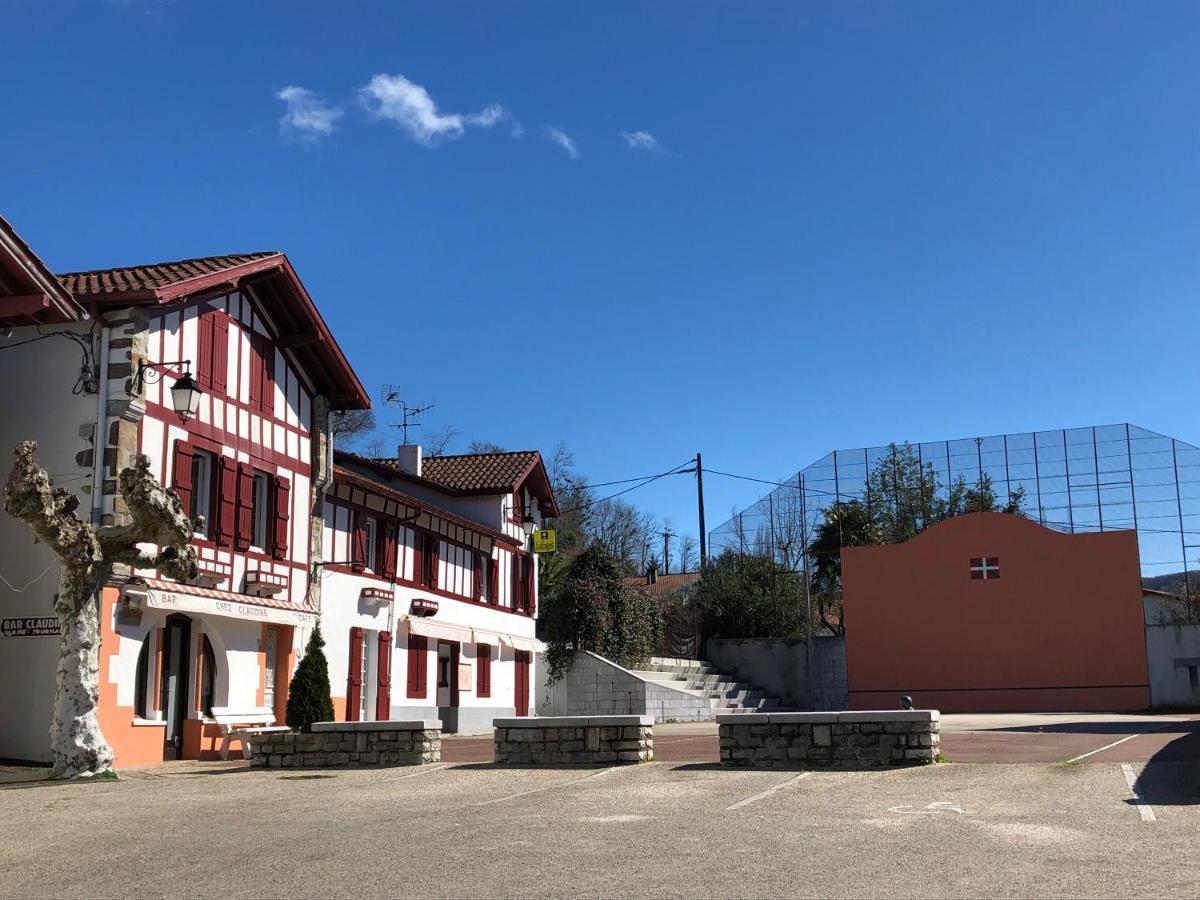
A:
(1172, 581)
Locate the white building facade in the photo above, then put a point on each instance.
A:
(249, 467)
(430, 592)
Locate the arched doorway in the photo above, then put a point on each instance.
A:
(175, 684)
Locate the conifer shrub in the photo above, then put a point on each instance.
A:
(309, 699)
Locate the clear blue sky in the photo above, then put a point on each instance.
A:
(784, 228)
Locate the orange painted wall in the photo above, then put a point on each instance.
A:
(1060, 629)
(202, 740)
(134, 745)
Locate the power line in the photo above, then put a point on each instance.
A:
(642, 482)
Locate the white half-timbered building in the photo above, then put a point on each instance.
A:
(430, 592)
(248, 465)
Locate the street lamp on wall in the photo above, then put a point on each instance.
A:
(185, 393)
(527, 524)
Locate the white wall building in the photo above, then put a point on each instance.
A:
(249, 466)
(430, 595)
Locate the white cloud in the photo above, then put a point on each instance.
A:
(564, 140)
(643, 140)
(307, 117)
(408, 106)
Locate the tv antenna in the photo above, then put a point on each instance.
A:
(410, 413)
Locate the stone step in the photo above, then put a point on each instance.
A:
(701, 679)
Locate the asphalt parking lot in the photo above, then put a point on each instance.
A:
(1060, 805)
(981, 738)
(657, 829)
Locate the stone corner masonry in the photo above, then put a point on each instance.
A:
(847, 740)
(351, 745)
(574, 740)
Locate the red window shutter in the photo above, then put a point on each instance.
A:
(220, 354)
(268, 351)
(358, 542)
(283, 509)
(494, 581)
(483, 670)
(182, 477)
(354, 690)
(245, 507)
(530, 595)
(515, 582)
(227, 485)
(254, 360)
(477, 577)
(383, 694)
(418, 557)
(388, 548)
(204, 366)
(432, 551)
(417, 661)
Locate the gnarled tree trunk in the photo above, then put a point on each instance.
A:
(87, 555)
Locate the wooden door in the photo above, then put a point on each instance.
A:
(522, 683)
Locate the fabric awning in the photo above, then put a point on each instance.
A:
(441, 630)
(483, 636)
(189, 598)
(521, 643)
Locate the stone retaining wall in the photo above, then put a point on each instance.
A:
(351, 744)
(846, 740)
(574, 740)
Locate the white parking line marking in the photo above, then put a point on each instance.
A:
(548, 787)
(1105, 747)
(1146, 810)
(767, 793)
(415, 774)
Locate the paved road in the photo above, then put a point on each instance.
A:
(1007, 738)
(655, 829)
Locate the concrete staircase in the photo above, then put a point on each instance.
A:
(704, 681)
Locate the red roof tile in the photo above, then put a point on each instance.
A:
(276, 286)
(480, 471)
(155, 276)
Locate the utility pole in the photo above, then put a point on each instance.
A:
(666, 536)
(808, 642)
(700, 503)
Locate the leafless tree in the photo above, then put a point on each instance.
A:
(484, 447)
(350, 426)
(439, 442)
(87, 555)
(688, 559)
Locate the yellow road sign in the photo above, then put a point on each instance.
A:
(545, 541)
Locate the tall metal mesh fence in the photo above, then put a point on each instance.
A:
(1097, 478)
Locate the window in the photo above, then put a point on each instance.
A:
(208, 674)
(200, 507)
(372, 544)
(443, 671)
(260, 509)
(140, 677)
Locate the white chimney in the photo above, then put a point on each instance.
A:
(408, 459)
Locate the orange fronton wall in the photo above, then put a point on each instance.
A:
(134, 745)
(1060, 629)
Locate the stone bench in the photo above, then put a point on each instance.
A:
(352, 745)
(847, 740)
(574, 740)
